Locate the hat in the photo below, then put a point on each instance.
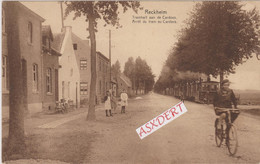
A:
(225, 81)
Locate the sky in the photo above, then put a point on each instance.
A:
(150, 41)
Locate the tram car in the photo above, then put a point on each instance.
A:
(198, 91)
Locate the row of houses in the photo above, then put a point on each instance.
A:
(54, 66)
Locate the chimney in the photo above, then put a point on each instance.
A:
(66, 29)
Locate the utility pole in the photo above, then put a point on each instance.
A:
(110, 59)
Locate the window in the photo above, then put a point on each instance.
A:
(75, 46)
(83, 64)
(3, 21)
(30, 32)
(35, 78)
(49, 81)
(83, 88)
(46, 42)
(4, 72)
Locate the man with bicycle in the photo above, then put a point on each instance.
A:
(223, 101)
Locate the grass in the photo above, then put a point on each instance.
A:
(70, 143)
(248, 97)
(255, 112)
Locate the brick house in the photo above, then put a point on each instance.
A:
(50, 89)
(82, 52)
(29, 32)
(103, 76)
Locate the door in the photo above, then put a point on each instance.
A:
(56, 78)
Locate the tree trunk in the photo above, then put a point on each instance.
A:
(92, 100)
(144, 88)
(16, 142)
(221, 74)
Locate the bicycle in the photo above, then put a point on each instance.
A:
(229, 133)
(62, 106)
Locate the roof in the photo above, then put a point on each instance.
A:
(125, 79)
(103, 56)
(83, 46)
(46, 31)
(30, 11)
(58, 40)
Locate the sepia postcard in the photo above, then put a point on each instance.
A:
(130, 82)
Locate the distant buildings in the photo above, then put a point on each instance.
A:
(124, 83)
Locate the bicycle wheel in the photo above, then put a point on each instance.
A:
(232, 142)
(218, 134)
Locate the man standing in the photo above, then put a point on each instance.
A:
(124, 98)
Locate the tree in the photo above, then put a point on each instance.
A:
(16, 141)
(116, 69)
(218, 37)
(93, 11)
(129, 70)
(144, 78)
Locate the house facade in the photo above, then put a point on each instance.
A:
(50, 70)
(124, 83)
(30, 37)
(69, 75)
(82, 52)
(103, 77)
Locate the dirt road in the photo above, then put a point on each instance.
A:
(188, 139)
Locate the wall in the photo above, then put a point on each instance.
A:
(103, 76)
(5, 92)
(83, 53)
(69, 72)
(49, 61)
(31, 53)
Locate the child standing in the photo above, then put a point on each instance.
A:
(108, 104)
(124, 98)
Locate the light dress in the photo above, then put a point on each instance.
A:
(124, 99)
(108, 103)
